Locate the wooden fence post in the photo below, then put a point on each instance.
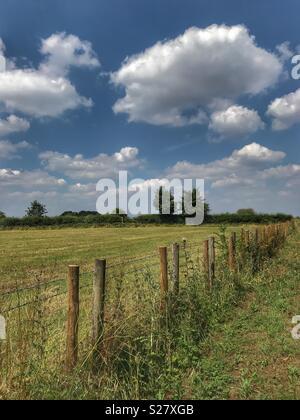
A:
(164, 285)
(98, 305)
(265, 235)
(73, 318)
(286, 231)
(175, 252)
(257, 237)
(247, 238)
(206, 262)
(243, 249)
(212, 261)
(258, 246)
(232, 252)
(269, 235)
(243, 237)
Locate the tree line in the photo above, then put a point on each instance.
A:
(36, 215)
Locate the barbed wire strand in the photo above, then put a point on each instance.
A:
(31, 302)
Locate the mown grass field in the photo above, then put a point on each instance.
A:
(24, 254)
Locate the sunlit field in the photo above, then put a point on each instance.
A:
(25, 254)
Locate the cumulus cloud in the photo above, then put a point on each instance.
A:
(63, 51)
(285, 51)
(9, 150)
(232, 181)
(46, 91)
(28, 179)
(18, 188)
(255, 153)
(37, 95)
(282, 172)
(241, 162)
(64, 182)
(252, 176)
(176, 81)
(13, 124)
(285, 111)
(236, 121)
(87, 189)
(246, 178)
(103, 165)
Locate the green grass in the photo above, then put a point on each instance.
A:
(24, 254)
(220, 345)
(252, 355)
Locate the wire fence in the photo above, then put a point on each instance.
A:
(191, 257)
(21, 297)
(188, 250)
(126, 290)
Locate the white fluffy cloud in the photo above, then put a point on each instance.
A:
(18, 188)
(285, 51)
(37, 95)
(232, 181)
(174, 82)
(243, 161)
(28, 179)
(47, 92)
(9, 150)
(51, 185)
(236, 121)
(285, 111)
(103, 165)
(12, 125)
(255, 153)
(63, 51)
(282, 172)
(249, 177)
(252, 176)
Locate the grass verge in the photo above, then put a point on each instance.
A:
(253, 355)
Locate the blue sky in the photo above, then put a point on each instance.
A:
(199, 99)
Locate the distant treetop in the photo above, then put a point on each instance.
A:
(36, 209)
(246, 212)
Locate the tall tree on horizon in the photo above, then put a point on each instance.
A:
(164, 202)
(36, 209)
(194, 197)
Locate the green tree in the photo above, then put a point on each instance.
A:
(246, 212)
(36, 209)
(2, 215)
(120, 212)
(164, 202)
(196, 199)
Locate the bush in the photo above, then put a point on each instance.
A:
(228, 218)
